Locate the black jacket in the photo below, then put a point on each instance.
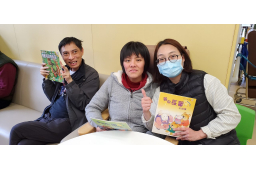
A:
(78, 93)
(192, 85)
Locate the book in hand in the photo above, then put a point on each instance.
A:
(51, 59)
(111, 125)
(172, 111)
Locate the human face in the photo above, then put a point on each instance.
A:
(165, 53)
(134, 67)
(169, 52)
(72, 56)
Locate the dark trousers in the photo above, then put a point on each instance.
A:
(41, 132)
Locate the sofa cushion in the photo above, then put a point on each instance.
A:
(28, 91)
(13, 115)
(103, 78)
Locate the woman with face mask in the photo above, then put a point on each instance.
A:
(215, 115)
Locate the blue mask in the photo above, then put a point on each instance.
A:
(170, 69)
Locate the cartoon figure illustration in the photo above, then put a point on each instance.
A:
(51, 66)
(57, 67)
(171, 126)
(162, 120)
(177, 119)
(185, 120)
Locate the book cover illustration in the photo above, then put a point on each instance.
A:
(111, 125)
(51, 59)
(172, 111)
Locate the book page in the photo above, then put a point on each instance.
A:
(111, 125)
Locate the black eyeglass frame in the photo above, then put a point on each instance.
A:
(177, 56)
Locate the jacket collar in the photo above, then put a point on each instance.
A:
(118, 77)
(79, 73)
(176, 87)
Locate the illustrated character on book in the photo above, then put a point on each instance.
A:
(171, 127)
(57, 67)
(162, 120)
(185, 119)
(178, 119)
(54, 67)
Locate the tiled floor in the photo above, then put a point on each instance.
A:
(232, 91)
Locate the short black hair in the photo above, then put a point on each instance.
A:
(136, 48)
(69, 40)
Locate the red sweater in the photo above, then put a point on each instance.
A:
(133, 86)
(7, 79)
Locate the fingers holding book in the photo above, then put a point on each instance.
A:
(98, 129)
(186, 133)
(66, 74)
(43, 70)
(102, 129)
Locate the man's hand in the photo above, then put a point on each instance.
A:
(146, 104)
(189, 134)
(43, 70)
(66, 74)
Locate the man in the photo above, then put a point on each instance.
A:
(68, 100)
(8, 79)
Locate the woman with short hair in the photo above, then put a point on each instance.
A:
(121, 93)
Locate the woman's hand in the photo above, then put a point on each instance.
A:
(43, 70)
(189, 134)
(98, 129)
(146, 104)
(66, 74)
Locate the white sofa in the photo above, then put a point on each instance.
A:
(29, 100)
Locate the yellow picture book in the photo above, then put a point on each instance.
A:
(172, 111)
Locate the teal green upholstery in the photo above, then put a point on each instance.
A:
(244, 129)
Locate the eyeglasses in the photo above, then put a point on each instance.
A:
(171, 58)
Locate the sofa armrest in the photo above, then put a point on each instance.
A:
(105, 114)
(172, 140)
(88, 128)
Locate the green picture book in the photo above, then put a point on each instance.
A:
(51, 59)
(111, 125)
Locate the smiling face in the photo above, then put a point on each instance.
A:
(134, 67)
(72, 56)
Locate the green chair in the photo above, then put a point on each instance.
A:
(244, 129)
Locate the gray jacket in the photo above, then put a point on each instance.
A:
(123, 105)
(78, 93)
